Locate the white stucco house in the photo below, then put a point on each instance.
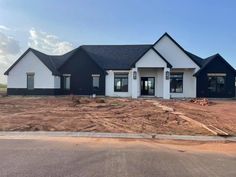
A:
(163, 69)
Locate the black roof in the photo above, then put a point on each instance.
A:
(53, 62)
(114, 57)
(208, 60)
(200, 61)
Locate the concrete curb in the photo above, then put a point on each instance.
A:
(28, 134)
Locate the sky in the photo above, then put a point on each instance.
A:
(203, 27)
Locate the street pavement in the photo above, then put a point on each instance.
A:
(55, 158)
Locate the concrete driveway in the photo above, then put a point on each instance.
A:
(71, 157)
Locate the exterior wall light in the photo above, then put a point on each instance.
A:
(167, 75)
(134, 75)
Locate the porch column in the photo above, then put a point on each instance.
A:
(134, 79)
(166, 83)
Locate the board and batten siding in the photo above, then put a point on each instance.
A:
(43, 78)
(81, 68)
(215, 67)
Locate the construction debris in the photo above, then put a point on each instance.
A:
(84, 100)
(212, 129)
(202, 102)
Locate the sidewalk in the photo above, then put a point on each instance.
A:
(28, 134)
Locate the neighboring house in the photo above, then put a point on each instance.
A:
(163, 69)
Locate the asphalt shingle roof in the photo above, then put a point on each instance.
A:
(200, 61)
(108, 57)
(115, 56)
(207, 60)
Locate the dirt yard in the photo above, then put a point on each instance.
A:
(219, 113)
(84, 114)
(110, 115)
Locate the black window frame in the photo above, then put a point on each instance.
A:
(64, 81)
(175, 88)
(27, 80)
(217, 89)
(121, 79)
(93, 77)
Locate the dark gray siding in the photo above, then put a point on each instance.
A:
(218, 65)
(22, 91)
(81, 67)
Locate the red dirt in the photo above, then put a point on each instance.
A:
(87, 114)
(220, 113)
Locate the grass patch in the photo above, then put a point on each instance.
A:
(3, 85)
(3, 88)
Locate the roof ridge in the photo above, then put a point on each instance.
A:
(214, 55)
(51, 55)
(107, 45)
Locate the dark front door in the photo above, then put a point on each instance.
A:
(147, 86)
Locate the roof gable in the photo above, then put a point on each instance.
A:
(150, 60)
(30, 63)
(156, 52)
(209, 60)
(175, 53)
(52, 62)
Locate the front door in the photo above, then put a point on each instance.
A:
(147, 86)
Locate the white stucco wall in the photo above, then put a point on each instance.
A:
(151, 60)
(173, 54)
(189, 84)
(109, 88)
(17, 77)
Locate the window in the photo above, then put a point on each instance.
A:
(216, 82)
(176, 82)
(66, 81)
(30, 81)
(96, 80)
(121, 82)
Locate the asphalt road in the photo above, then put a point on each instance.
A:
(48, 158)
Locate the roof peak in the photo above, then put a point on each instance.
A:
(50, 55)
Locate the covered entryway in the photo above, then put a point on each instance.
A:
(147, 86)
(150, 76)
(151, 82)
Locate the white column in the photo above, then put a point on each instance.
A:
(166, 84)
(135, 83)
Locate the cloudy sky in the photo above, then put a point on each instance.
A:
(204, 27)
